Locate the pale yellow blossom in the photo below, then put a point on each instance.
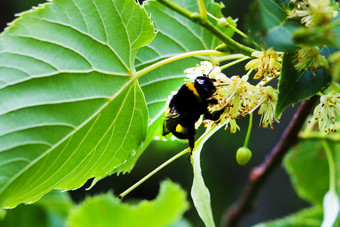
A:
(309, 57)
(326, 111)
(313, 12)
(267, 63)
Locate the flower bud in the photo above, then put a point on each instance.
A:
(222, 22)
(243, 156)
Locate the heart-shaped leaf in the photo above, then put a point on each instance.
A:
(71, 107)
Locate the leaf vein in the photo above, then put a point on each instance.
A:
(88, 35)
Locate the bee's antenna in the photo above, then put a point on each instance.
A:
(222, 85)
(210, 71)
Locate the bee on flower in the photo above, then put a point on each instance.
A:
(229, 98)
(267, 63)
(326, 111)
(231, 95)
(313, 12)
(204, 68)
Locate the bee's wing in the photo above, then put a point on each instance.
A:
(171, 120)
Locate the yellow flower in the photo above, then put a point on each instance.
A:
(313, 12)
(326, 111)
(233, 125)
(310, 57)
(267, 108)
(267, 64)
(232, 94)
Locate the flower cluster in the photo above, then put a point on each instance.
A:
(326, 111)
(238, 97)
(267, 63)
(313, 12)
(309, 57)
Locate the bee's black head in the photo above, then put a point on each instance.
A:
(205, 86)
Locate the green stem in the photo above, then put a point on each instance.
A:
(234, 62)
(203, 11)
(331, 165)
(127, 191)
(175, 58)
(210, 27)
(234, 29)
(210, 131)
(246, 141)
(229, 57)
(237, 31)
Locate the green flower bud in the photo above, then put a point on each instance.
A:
(243, 156)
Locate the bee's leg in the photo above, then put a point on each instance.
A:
(214, 115)
(212, 101)
(191, 137)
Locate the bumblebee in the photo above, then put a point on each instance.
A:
(187, 105)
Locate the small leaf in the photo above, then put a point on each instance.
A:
(268, 24)
(296, 86)
(310, 217)
(106, 210)
(199, 192)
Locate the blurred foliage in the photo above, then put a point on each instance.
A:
(104, 210)
(50, 211)
(223, 176)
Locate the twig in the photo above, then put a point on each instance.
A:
(260, 174)
(196, 18)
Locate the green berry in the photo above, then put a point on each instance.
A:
(243, 156)
(222, 22)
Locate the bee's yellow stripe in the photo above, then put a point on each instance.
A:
(192, 88)
(181, 129)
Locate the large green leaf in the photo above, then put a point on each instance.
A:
(70, 106)
(175, 35)
(295, 86)
(306, 163)
(106, 210)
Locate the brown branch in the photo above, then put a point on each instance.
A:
(260, 174)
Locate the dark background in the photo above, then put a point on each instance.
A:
(224, 178)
